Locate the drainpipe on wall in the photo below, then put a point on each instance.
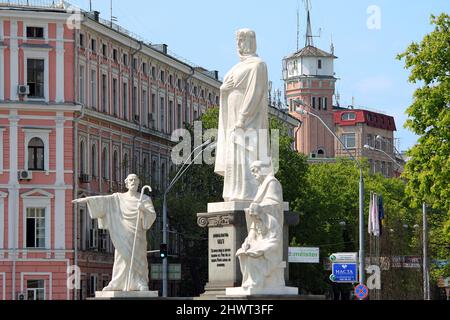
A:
(75, 154)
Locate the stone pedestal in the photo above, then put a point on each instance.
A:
(227, 230)
(125, 294)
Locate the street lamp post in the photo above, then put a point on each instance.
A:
(426, 274)
(179, 174)
(361, 192)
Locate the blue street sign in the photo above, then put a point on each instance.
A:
(361, 291)
(345, 272)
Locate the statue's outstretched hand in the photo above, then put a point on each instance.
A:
(82, 200)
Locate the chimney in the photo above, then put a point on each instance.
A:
(216, 74)
(96, 15)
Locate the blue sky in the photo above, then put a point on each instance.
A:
(203, 31)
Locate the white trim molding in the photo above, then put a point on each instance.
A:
(60, 72)
(14, 61)
(43, 134)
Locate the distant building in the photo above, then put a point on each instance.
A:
(310, 85)
(357, 128)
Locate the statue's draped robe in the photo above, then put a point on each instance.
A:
(118, 214)
(246, 101)
(261, 264)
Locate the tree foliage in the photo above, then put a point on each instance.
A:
(428, 170)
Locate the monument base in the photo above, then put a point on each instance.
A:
(126, 294)
(227, 230)
(277, 291)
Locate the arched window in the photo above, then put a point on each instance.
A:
(82, 158)
(116, 172)
(321, 153)
(36, 154)
(153, 177)
(125, 165)
(105, 163)
(94, 161)
(163, 176)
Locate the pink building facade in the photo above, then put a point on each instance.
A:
(80, 108)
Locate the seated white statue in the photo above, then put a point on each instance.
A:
(261, 254)
(118, 213)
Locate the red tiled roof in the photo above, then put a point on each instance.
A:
(370, 118)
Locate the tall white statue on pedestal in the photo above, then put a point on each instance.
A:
(243, 120)
(120, 213)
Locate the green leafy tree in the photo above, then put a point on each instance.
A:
(428, 170)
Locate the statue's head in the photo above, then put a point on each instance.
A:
(260, 170)
(132, 182)
(246, 41)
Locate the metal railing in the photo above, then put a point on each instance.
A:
(55, 4)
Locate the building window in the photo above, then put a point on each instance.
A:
(35, 78)
(104, 92)
(94, 161)
(161, 74)
(125, 101)
(125, 59)
(313, 103)
(320, 153)
(171, 80)
(319, 64)
(153, 72)
(195, 90)
(370, 140)
(35, 228)
(187, 115)
(325, 103)
(163, 124)
(179, 84)
(35, 32)
(348, 116)
(134, 102)
(81, 84)
(93, 234)
(126, 169)
(82, 158)
(105, 50)
(116, 172)
(92, 285)
(115, 98)
(134, 64)
(349, 140)
(179, 116)
(145, 107)
(36, 154)
(153, 112)
(105, 164)
(171, 116)
(93, 89)
(320, 103)
(115, 55)
(81, 40)
(144, 68)
(35, 289)
(93, 45)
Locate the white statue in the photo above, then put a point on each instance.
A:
(243, 114)
(120, 213)
(261, 255)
